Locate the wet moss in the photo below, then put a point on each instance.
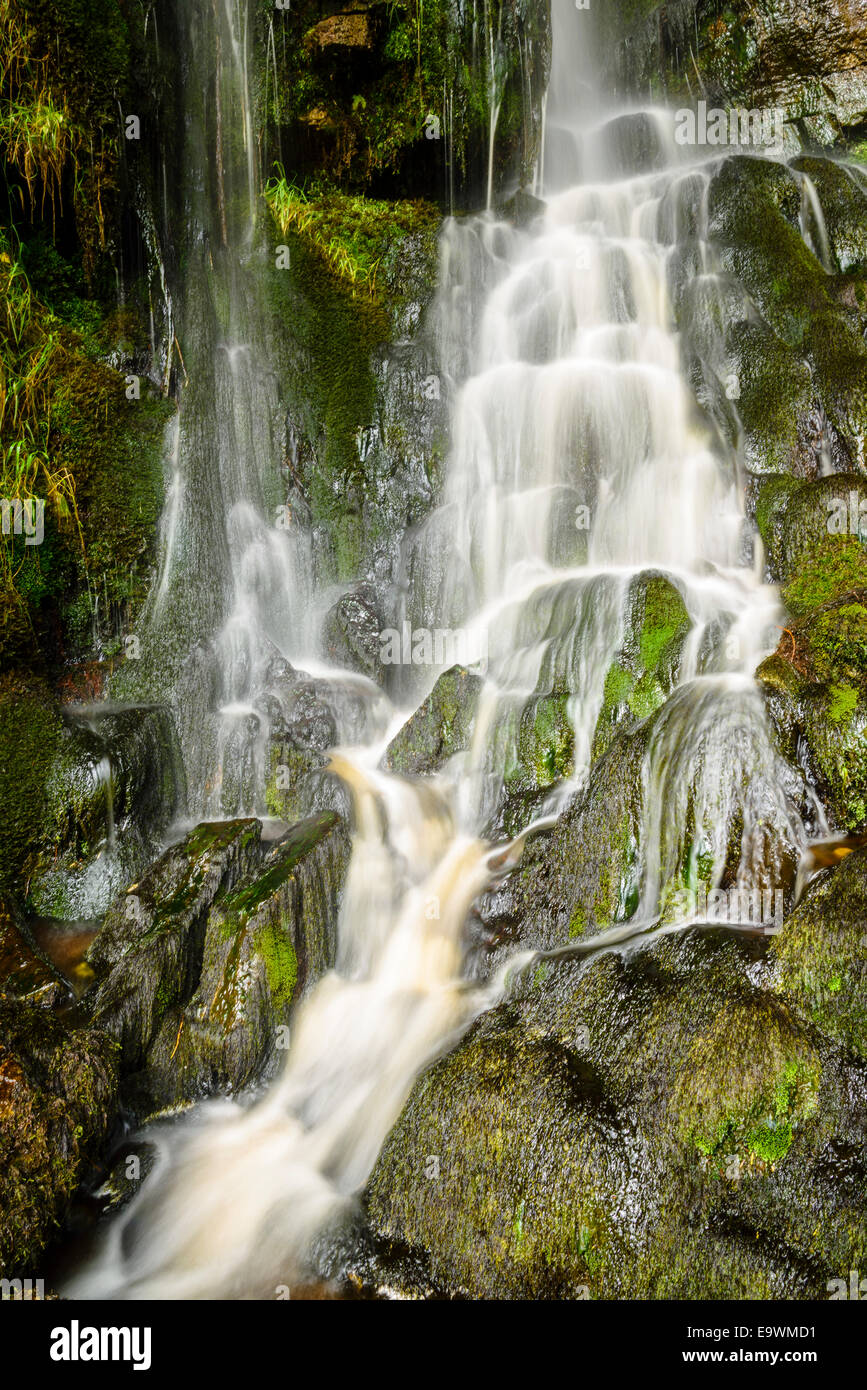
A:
(837, 566)
(441, 726)
(645, 670)
(822, 953)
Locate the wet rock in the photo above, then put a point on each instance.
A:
(57, 1097)
(648, 665)
(821, 956)
(441, 726)
(118, 782)
(522, 208)
(795, 520)
(149, 951)
(633, 144)
(203, 973)
(754, 223)
(24, 972)
(541, 743)
(843, 199)
(654, 1126)
(84, 797)
(581, 877)
(815, 684)
(351, 633)
(308, 717)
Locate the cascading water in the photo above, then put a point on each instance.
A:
(569, 402)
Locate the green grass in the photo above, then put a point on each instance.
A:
(351, 233)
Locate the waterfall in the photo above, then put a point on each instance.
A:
(569, 402)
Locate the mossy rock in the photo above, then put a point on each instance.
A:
(147, 955)
(651, 1126)
(57, 1098)
(31, 734)
(581, 877)
(441, 727)
(821, 955)
(815, 683)
(541, 741)
(775, 401)
(844, 209)
(753, 221)
(646, 668)
(201, 986)
(807, 530)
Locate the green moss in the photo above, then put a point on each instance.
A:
(822, 953)
(644, 673)
(274, 942)
(30, 738)
(835, 567)
(844, 699)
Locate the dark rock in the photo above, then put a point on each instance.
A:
(203, 974)
(57, 1097)
(351, 633)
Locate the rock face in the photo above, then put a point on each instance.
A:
(84, 796)
(57, 1098)
(350, 29)
(807, 56)
(198, 964)
(658, 1126)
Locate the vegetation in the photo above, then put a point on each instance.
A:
(353, 234)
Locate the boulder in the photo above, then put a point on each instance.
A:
(58, 1092)
(199, 964)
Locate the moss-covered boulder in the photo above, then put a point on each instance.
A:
(646, 668)
(653, 1126)
(441, 726)
(821, 956)
(199, 964)
(754, 209)
(842, 197)
(811, 532)
(57, 1098)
